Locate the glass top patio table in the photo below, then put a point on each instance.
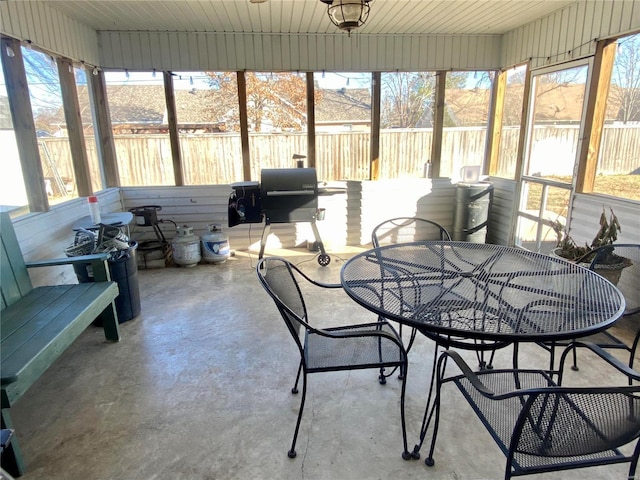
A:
(481, 291)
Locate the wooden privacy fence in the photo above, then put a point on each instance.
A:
(217, 158)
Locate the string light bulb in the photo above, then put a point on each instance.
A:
(10, 52)
(95, 70)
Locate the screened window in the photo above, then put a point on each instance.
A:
(406, 123)
(618, 170)
(511, 121)
(51, 127)
(12, 189)
(208, 127)
(466, 116)
(277, 115)
(86, 113)
(140, 130)
(343, 125)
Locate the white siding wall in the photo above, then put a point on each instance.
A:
(273, 52)
(546, 40)
(349, 216)
(46, 235)
(503, 210)
(570, 32)
(585, 217)
(49, 29)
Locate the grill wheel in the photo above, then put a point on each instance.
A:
(324, 259)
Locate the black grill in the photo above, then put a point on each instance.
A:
(289, 194)
(284, 195)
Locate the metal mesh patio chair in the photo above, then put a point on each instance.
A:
(416, 229)
(541, 426)
(620, 264)
(348, 347)
(407, 229)
(404, 230)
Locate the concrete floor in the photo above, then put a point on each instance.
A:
(199, 388)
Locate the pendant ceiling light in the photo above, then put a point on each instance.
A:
(348, 14)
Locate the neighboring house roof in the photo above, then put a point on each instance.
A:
(134, 104)
(345, 105)
(146, 104)
(556, 104)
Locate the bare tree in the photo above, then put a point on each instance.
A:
(279, 98)
(407, 99)
(44, 89)
(625, 88)
(467, 98)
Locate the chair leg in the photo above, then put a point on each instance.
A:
(406, 455)
(382, 378)
(574, 367)
(292, 452)
(552, 357)
(426, 419)
(440, 369)
(632, 353)
(294, 390)
(634, 460)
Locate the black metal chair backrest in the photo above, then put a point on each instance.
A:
(620, 263)
(407, 229)
(277, 278)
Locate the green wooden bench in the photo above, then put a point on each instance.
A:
(38, 324)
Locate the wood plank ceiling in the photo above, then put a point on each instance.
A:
(388, 17)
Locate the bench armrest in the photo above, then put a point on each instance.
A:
(98, 263)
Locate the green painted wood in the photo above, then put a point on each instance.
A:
(13, 273)
(38, 334)
(13, 463)
(38, 324)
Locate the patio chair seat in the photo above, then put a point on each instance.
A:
(541, 425)
(323, 353)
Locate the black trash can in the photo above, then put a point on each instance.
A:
(123, 267)
(473, 201)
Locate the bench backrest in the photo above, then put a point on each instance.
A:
(14, 278)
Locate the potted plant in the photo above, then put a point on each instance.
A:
(607, 234)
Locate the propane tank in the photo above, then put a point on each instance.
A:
(186, 247)
(215, 244)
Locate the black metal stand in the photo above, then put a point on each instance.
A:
(323, 259)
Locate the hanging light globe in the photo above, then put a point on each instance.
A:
(348, 14)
